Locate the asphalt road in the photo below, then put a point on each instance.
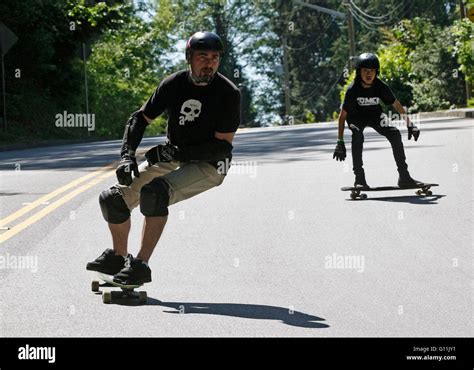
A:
(276, 250)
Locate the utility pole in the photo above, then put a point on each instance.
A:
(340, 15)
(85, 83)
(286, 69)
(7, 40)
(352, 46)
(286, 72)
(3, 86)
(467, 84)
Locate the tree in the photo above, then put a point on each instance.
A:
(125, 67)
(50, 34)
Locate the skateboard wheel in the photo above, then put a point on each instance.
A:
(353, 196)
(95, 286)
(363, 196)
(107, 297)
(142, 297)
(419, 192)
(429, 192)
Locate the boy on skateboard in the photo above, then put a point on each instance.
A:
(360, 109)
(203, 110)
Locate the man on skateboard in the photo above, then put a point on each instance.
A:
(360, 109)
(203, 110)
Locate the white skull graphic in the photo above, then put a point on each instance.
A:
(191, 109)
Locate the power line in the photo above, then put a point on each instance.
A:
(327, 25)
(304, 100)
(385, 16)
(362, 21)
(306, 96)
(364, 18)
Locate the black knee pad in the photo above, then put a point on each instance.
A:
(114, 209)
(154, 198)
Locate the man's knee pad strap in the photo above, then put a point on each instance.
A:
(114, 209)
(154, 198)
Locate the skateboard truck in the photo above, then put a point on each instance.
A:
(126, 292)
(424, 190)
(356, 194)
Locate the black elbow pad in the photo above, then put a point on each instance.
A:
(133, 134)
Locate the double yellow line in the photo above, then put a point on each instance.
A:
(90, 180)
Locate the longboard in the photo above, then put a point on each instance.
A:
(357, 192)
(127, 291)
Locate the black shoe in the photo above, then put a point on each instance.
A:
(361, 183)
(407, 181)
(107, 263)
(135, 272)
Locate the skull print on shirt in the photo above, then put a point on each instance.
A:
(190, 110)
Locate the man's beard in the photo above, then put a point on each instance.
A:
(205, 76)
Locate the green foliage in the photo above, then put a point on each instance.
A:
(396, 70)
(92, 14)
(349, 80)
(462, 48)
(124, 70)
(425, 53)
(310, 117)
(433, 76)
(420, 61)
(47, 57)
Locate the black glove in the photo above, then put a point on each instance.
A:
(162, 153)
(127, 165)
(413, 131)
(340, 152)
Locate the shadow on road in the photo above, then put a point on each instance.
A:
(245, 311)
(10, 193)
(413, 199)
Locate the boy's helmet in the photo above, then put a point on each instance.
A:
(368, 60)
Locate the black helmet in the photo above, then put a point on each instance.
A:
(204, 41)
(368, 60)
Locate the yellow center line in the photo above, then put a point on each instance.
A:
(95, 177)
(45, 198)
(51, 207)
(5, 221)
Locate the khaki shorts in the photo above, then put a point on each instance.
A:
(185, 180)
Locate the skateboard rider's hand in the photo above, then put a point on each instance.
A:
(127, 165)
(161, 153)
(413, 131)
(340, 152)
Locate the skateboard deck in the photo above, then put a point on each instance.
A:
(127, 291)
(357, 192)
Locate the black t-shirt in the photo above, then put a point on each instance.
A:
(195, 113)
(363, 104)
